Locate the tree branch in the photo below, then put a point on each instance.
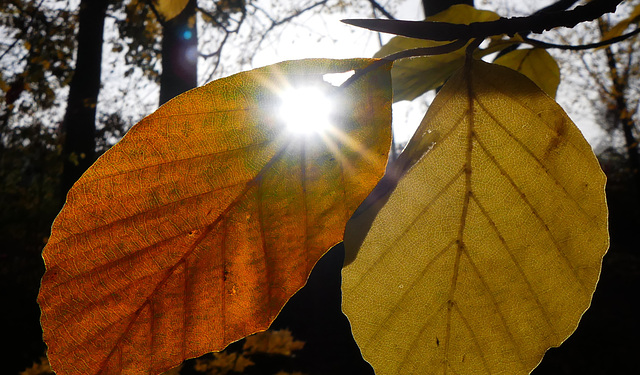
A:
(155, 12)
(213, 18)
(535, 23)
(218, 52)
(416, 52)
(25, 31)
(296, 14)
(379, 7)
(277, 23)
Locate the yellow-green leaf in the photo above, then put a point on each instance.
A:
(622, 26)
(488, 251)
(195, 229)
(170, 8)
(413, 77)
(537, 64)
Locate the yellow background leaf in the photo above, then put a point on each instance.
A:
(170, 8)
(537, 65)
(622, 26)
(413, 77)
(488, 251)
(195, 229)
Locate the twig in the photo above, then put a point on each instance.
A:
(298, 13)
(218, 52)
(379, 7)
(27, 29)
(276, 23)
(15, 41)
(416, 52)
(159, 17)
(373, 13)
(535, 23)
(427, 51)
(213, 18)
(541, 44)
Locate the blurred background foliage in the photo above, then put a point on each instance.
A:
(38, 50)
(273, 349)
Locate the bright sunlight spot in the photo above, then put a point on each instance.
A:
(306, 110)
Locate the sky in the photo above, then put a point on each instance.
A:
(312, 35)
(353, 42)
(323, 35)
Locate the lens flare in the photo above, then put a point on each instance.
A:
(306, 110)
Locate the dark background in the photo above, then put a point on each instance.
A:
(606, 341)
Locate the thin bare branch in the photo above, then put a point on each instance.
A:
(155, 12)
(627, 67)
(602, 88)
(213, 18)
(416, 52)
(276, 23)
(27, 29)
(297, 14)
(382, 10)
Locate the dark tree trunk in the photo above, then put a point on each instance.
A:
(432, 7)
(179, 54)
(79, 123)
(623, 118)
(621, 112)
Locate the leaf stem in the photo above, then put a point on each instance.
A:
(415, 52)
(541, 44)
(472, 47)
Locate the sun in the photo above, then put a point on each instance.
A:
(306, 110)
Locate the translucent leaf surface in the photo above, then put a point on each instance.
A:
(195, 229)
(413, 77)
(488, 251)
(537, 65)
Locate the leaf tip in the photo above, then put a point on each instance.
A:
(350, 21)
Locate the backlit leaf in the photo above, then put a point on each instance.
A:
(170, 8)
(537, 65)
(488, 251)
(413, 77)
(195, 229)
(622, 26)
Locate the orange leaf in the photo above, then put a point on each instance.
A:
(195, 229)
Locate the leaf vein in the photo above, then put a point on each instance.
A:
(535, 158)
(305, 209)
(474, 338)
(150, 211)
(205, 232)
(174, 161)
(537, 216)
(495, 305)
(493, 225)
(263, 237)
(405, 358)
(524, 106)
(406, 292)
(385, 251)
